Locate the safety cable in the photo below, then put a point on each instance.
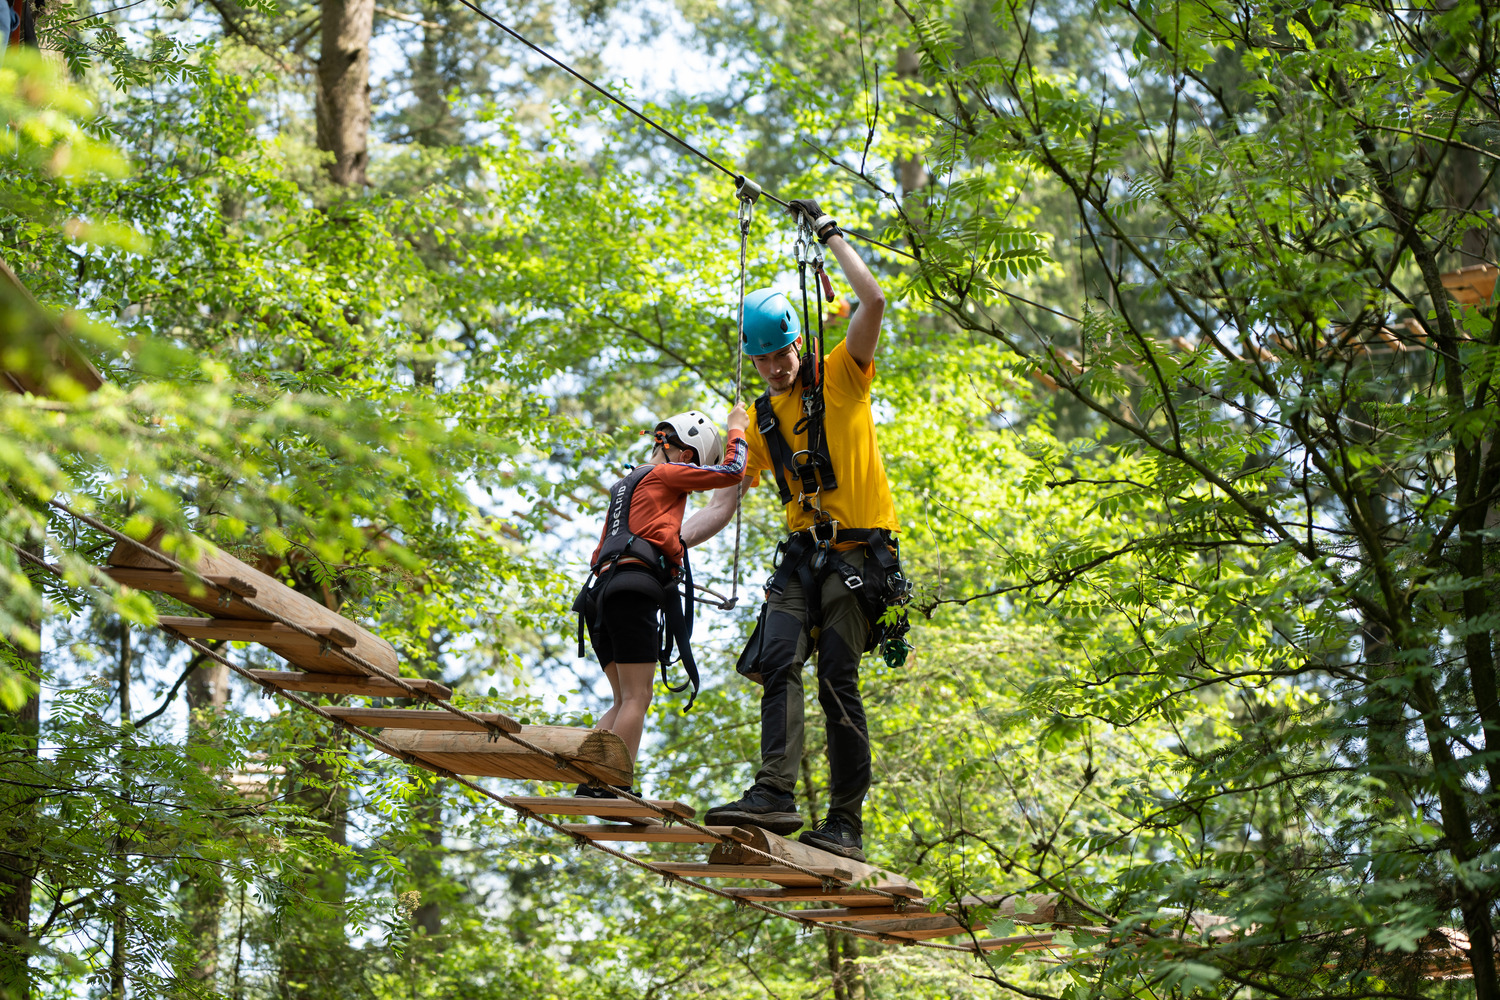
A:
(413, 760)
(649, 120)
(563, 765)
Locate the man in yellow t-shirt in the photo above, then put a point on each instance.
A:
(814, 433)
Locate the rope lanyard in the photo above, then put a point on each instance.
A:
(746, 191)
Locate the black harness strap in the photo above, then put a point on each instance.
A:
(815, 470)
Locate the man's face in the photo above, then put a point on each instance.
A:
(780, 368)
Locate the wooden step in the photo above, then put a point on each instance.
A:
(604, 808)
(774, 874)
(1021, 942)
(423, 719)
(250, 630)
(225, 574)
(646, 834)
(839, 897)
(845, 914)
(596, 752)
(370, 687)
(800, 854)
(315, 654)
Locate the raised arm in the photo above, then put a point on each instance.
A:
(708, 522)
(864, 325)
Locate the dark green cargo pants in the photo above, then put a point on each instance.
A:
(840, 642)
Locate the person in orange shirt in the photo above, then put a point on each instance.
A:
(632, 603)
(837, 571)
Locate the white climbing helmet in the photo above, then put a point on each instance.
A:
(692, 430)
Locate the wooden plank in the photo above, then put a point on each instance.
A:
(646, 834)
(405, 719)
(1022, 942)
(765, 873)
(270, 593)
(604, 808)
(841, 897)
(296, 648)
(1471, 286)
(266, 633)
(370, 687)
(797, 853)
(596, 752)
(854, 915)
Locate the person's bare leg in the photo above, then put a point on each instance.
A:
(607, 720)
(628, 718)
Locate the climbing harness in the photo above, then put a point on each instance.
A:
(651, 573)
(811, 554)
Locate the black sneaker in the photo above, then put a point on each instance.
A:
(760, 806)
(595, 792)
(837, 836)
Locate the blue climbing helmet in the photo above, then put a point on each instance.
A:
(770, 323)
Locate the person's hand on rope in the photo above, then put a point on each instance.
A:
(739, 420)
(823, 225)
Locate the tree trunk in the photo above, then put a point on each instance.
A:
(835, 965)
(203, 897)
(119, 934)
(343, 105)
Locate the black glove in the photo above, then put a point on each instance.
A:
(823, 225)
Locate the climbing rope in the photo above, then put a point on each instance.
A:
(653, 123)
(746, 192)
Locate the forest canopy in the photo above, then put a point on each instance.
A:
(1185, 392)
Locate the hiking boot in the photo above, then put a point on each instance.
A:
(836, 835)
(760, 806)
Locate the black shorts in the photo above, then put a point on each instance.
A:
(630, 631)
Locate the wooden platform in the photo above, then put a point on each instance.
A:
(596, 752)
(838, 897)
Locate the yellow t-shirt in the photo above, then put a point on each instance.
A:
(863, 497)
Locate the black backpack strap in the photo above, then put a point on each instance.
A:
(781, 452)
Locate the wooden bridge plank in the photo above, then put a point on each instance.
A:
(370, 687)
(597, 752)
(765, 873)
(603, 808)
(291, 645)
(861, 914)
(269, 592)
(797, 853)
(845, 897)
(646, 834)
(424, 719)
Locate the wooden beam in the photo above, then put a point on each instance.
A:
(604, 808)
(646, 834)
(766, 873)
(268, 592)
(797, 853)
(404, 719)
(596, 752)
(370, 687)
(841, 897)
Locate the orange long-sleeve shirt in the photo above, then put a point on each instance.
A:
(660, 498)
